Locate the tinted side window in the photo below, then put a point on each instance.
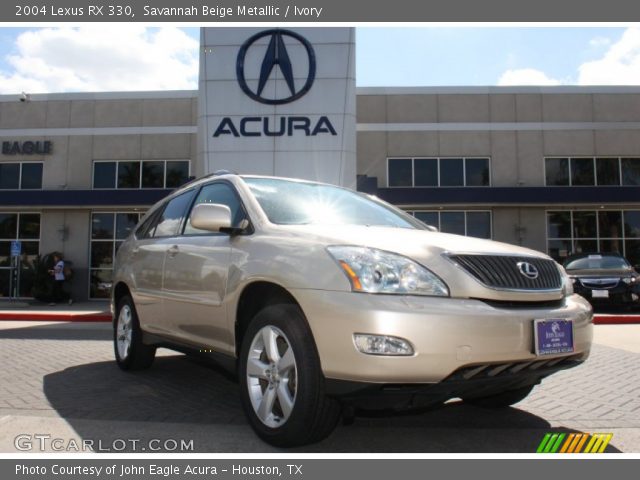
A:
(171, 218)
(148, 226)
(220, 193)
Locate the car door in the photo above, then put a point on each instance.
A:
(148, 256)
(196, 270)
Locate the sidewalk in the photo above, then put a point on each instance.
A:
(94, 311)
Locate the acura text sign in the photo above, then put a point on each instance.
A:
(278, 101)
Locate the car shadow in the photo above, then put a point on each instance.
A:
(184, 399)
(60, 331)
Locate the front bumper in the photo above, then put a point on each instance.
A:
(622, 294)
(446, 333)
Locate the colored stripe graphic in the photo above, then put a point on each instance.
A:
(605, 441)
(570, 439)
(556, 446)
(573, 443)
(581, 443)
(543, 443)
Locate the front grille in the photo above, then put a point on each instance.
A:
(514, 305)
(502, 271)
(597, 283)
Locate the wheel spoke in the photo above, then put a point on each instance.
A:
(287, 361)
(124, 331)
(285, 399)
(266, 404)
(256, 368)
(269, 337)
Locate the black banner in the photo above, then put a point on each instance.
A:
(315, 469)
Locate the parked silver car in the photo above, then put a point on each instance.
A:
(325, 300)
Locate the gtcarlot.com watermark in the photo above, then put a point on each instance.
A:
(41, 442)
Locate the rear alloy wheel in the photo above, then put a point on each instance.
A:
(131, 353)
(501, 400)
(281, 381)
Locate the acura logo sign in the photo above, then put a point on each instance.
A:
(528, 270)
(276, 55)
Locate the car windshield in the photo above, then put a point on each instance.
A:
(597, 262)
(288, 202)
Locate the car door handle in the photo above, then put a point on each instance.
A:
(173, 251)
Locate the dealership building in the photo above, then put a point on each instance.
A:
(555, 169)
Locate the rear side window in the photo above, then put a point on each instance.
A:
(220, 193)
(169, 221)
(146, 229)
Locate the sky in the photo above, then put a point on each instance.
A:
(131, 57)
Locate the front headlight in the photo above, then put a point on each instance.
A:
(375, 271)
(630, 280)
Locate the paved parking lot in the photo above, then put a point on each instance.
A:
(60, 380)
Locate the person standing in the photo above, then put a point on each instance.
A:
(58, 280)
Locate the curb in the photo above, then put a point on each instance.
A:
(57, 317)
(616, 319)
(106, 317)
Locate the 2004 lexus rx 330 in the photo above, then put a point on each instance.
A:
(325, 300)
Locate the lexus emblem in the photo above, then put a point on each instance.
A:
(276, 55)
(528, 270)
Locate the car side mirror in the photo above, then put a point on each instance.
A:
(212, 217)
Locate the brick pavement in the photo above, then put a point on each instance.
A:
(68, 371)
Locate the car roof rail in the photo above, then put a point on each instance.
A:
(217, 173)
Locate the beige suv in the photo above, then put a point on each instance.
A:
(326, 301)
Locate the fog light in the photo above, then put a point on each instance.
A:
(382, 345)
(634, 297)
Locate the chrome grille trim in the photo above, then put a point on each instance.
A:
(501, 271)
(599, 283)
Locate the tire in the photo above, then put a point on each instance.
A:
(130, 352)
(295, 410)
(501, 400)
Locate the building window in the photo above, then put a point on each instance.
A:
(582, 171)
(452, 172)
(608, 171)
(425, 172)
(177, 173)
(472, 223)
(438, 172)
(400, 172)
(630, 171)
(26, 228)
(140, 174)
(21, 176)
(591, 231)
(128, 175)
(589, 171)
(108, 231)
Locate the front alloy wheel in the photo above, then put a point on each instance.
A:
(272, 376)
(282, 386)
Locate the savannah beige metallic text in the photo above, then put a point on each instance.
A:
(325, 301)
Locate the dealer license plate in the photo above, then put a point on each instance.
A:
(553, 336)
(600, 293)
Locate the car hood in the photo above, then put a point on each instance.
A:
(408, 242)
(425, 247)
